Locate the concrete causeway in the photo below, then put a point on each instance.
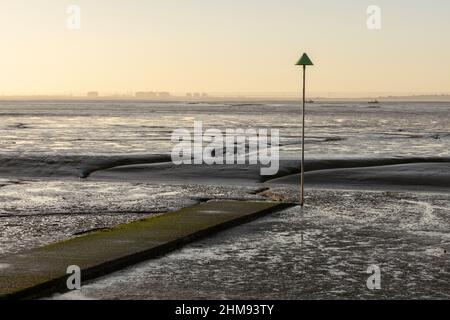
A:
(42, 271)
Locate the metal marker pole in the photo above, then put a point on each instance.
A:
(304, 61)
(302, 197)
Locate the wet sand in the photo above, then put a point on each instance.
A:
(70, 167)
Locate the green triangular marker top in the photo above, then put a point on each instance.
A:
(304, 61)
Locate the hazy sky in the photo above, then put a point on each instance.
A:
(224, 46)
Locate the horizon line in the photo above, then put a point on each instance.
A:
(445, 97)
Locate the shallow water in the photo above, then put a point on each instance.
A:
(333, 130)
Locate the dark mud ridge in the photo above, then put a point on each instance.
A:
(430, 171)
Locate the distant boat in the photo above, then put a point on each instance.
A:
(374, 102)
(310, 101)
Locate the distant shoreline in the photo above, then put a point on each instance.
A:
(393, 99)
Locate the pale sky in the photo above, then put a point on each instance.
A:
(225, 46)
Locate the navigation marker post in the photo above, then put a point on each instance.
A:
(304, 61)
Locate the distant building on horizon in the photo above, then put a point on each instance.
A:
(152, 94)
(145, 94)
(92, 94)
(197, 95)
(164, 94)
